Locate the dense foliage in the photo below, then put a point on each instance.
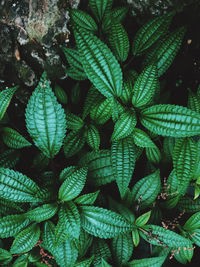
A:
(93, 181)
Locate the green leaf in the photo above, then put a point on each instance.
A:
(93, 137)
(104, 263)
(103, 223)
(73, 121)
(150, 32)
(17, 187)
(42, 213)
(26, 239)
(184, 254)
(195, 236)
(10, 225)
(123, 162)
(135, 237)
(119, 42)
(40, 161)
(83, 243)
(102, 112)
(147, 189)
(100, 250)
(5, 256)
(9, 207)
(146, 262)
(171, 120)
(48, 236)
(45, 119)
(143, 219)
(73, 143)
(85, 263)
(122, 247)
(165, 50)
(100, 8)
(188, 204)
(153, 154)
(87, 199)
(100, 170)
(184, 160)
(193, 101)
(9, 158)
(142, 139)
(5, 98)
(83, 20)
(124, 125)
(76, 74)
(60, 94)
(160, 236)
(13, 139)
(73, 185)
(65, 173)
(145, 86)
(193, 222)
(99, 63)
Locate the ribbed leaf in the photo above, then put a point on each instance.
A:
(189, 205)
(45, 119)
(26, 239)
(76, 74)
(83, 20)
(42, 213)
(48, 236)
(60, 94)
(184, 160)
(195, 236)
(124, 125)
(85, 263)
(73, 143)
(83, 243)
(135, 237)
(171, 120)
(193, 101)
(143, 219)
(153, 262)
(17, 187)
(153, 154)
(73, 185)
(103, 223)
(5, 256)
(160, 236)
(122, 247)
(147, 189)
(93, 137)
(165, 50)
(145, 86)
(119, 42)
(99, 63)
(184, 254)
(11, 225)
(123, 162)
(193, 222)
(100, 8)
(100, 170)
(67, 172)
(87, 199)
(104, 263)
(73, 121)
(127, 90)
(13, 139)
(142, 139)
(8, 207)
(100, 250)
(9, 158)
(102, 112)
(151, 32)
(5, 98)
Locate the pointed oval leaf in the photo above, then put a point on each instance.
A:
(26, 239)
(123, 162)
(100, 8)
(9, 158)
(99, 63)
(103, 223)
(102, 112)
(5, 256)
(142, 139)
(61, 94)
(93, 137)
(73, 121)
(193, 101)
(171, 120)
(153, 262)
(143, 219)
(5, 98)
(73, 143)
(83, 20)
(45, 119)
(87, 199)
(153, 154)
(135, 237)
(193, 222)
(13, 139)
(48, 236)
(73, 185)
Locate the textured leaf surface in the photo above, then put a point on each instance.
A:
(100, 8)
(73, 143)
(83, 20)
(9, 158)
(153, 262)
(123, 162)
(189, 205)
(142, 139)
(5, 98)
(13, 139)
(193, 222)
(87, 199)
(184, 159)
(103, 223)
(119, 42)
(100, 65)
(145, 86)
(48, 235)
(171, 120)
(93, 137)
(45, 119)
(60, 94)
(73, 185)
(147, 189)
(17, 187)
(101, 113)
(73, 121)
(193, 101)
(100, 250)
(153, 154)
(26, 239)
(5, 256)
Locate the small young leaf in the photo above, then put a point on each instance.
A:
(100, 8)
(153, 154)
(102, 112)
(87, 199)
(5, 98)
(13, 139)
(135, 237)
(73, 143)
(143, 219)
(73, 185)
(60, 94)
(193, 222)
(83, 20)
(73, 121)
(142, 139)
(5, 257)
(93, 137)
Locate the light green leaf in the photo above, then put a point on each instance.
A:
(193, 222)
(103, 223)
(45, 119)
(123, 162)
(5, 98)
(195, 236)
(13, 139)
(83, 20)
(171, 120)
(193, 101)
(143, 219)
(99, 63)
(87, 199)
(153, 154)
(73, 185)
(135, 237)
(5, 256)
(26, 239)
(142, 139)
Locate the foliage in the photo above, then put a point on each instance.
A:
(83, 181)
